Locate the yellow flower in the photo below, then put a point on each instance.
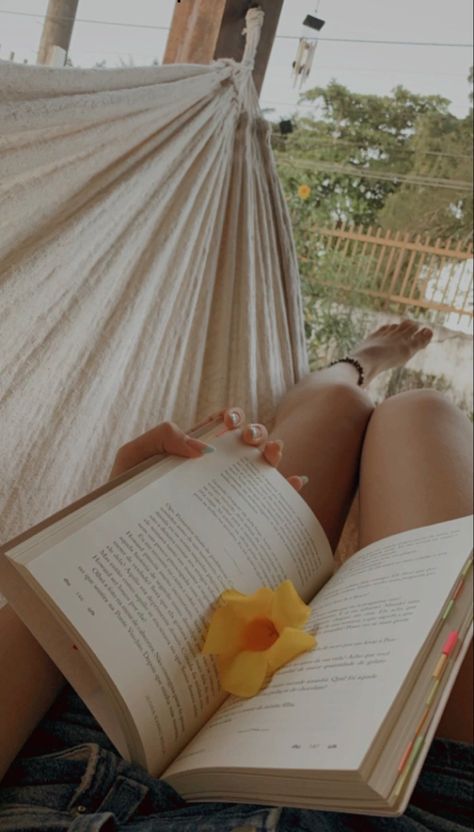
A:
(304, 191)
(254, 635)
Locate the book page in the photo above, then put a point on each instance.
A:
(324, 709)
(139, 583)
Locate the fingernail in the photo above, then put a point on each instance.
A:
(197, 445)
(255, 432)
(234, 417)
(304, 480)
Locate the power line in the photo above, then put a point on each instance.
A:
(295, 104)
(363, 173)
(88, 20)
(395, 151)
(394, 71)
(281, 37)
(384, 42)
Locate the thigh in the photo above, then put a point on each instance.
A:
(323, 431)
(416, 470)
(416, 465)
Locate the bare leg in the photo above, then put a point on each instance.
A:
(323, 434)
(416, 470)
(323, 420)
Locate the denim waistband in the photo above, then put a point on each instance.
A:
(83, 785)
(87, 789)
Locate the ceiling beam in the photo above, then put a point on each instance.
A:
(204, 30)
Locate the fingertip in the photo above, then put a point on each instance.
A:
(234, 417)
(196, 447)
(298, 483)
(255, 434)
(273, 452)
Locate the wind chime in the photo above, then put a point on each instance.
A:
(304, 60)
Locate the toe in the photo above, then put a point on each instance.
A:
(426, 334)
(408, 327)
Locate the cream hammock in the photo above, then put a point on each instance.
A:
(147, 268)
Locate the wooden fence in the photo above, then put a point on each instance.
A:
(398, 272)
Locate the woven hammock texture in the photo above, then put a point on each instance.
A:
(147, 267)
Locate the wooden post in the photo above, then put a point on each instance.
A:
(204, 30)
(57, 30)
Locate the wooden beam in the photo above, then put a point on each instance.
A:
(194, 32)
(57, 29)
(204, 30)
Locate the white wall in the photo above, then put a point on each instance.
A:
(449, 355)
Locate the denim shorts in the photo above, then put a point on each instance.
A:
(69, 776)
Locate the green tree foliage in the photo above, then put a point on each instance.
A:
(377, 136)
(441, 148)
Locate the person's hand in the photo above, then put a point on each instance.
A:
(257, 435)
(169, 438)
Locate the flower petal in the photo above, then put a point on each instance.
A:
(290, 644)
(248, 606)
(288, 610)
(225, 632)
(245, 674)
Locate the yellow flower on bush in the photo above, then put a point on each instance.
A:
(304, 191)
(254, 635)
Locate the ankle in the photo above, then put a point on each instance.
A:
(352, 361)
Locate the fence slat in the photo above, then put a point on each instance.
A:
(423, 274)
(339, 232)
(406, 277)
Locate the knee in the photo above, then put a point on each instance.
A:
(347, 398)
(337, 400)
(423, 404)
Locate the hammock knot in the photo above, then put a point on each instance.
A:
(253, 30)
(241, 75)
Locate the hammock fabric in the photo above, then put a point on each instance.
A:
(147, 268)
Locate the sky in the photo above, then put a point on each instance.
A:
(364, 68)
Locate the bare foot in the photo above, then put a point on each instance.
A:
(391, 346)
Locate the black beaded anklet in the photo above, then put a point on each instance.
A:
(355, 363)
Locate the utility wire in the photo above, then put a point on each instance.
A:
(281, 37)
(87, 20)
(395, 151)
(363, 173)
(384, 42)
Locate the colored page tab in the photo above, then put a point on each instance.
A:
(405, 756)
(440, 667)
(423, 719)
(448, 609)
(466, 568)
(432, 692)
(409, 765)
(458, 590)
(450, 643)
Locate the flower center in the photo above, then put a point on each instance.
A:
(259, 634)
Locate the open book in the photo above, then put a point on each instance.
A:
(119, 589)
